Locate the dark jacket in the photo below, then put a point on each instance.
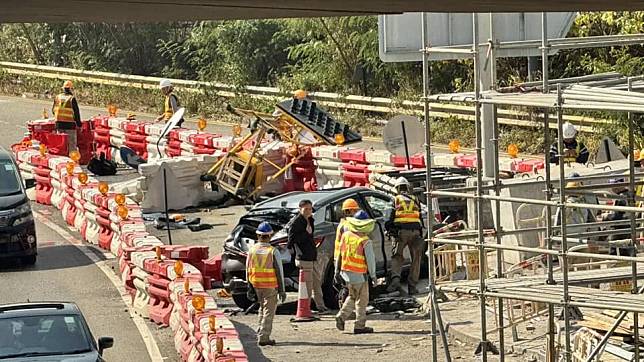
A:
(582, 151)
(301, 240)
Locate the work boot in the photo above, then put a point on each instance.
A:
(411, 290)
(339, 323)
(270, 342)
(362, 330)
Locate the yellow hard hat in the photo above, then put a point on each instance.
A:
(68, 85)
(300, 94)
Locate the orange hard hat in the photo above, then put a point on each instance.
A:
(300, 94)
(68, 84)
(350, 204)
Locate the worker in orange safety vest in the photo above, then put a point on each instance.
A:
(356, 264)
(264, 272)
(349, 208)
(67, 114)
(406, 227)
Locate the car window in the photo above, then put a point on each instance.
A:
(42, 335)
(9, 180)
(380, 206)
(334, 212)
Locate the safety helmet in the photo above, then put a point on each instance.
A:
(264, 229)
(68, 85)
(350, 204)
(164, 83)
(300, 94)
(572, 183)
(401, 181)
(569, 131)
(361, 215)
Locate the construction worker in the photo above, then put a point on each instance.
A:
(264, 272)
(355, 265)
(300, 237)
(614, 215)
(574, 151)
(171, 103)
(67, 114)
(575, 215)
(349, 208)
(406, 227)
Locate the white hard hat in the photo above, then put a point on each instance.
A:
(401, 181)
(569, 131)
(165, 83)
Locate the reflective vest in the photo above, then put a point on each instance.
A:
(352, 253)
(261, 273)
(338, 237)
(63, 111)
(571, 159)
(167, 108)
(406, 210)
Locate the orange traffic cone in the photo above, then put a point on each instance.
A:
(304, 300)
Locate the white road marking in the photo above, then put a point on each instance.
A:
(144, 331)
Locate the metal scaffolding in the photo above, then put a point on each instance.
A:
(566, 289)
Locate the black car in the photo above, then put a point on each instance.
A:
(48, 332)
(278, 211)
(17, 228)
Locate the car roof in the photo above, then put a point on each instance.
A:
(38, 308)
(321, 197)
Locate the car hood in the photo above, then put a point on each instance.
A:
(11, 201)
(85, 357)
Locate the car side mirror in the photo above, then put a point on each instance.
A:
(105, 343)
(30, 183)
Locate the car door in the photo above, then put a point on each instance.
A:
(380, 207)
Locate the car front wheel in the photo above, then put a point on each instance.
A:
(242, 301)
(28, 260)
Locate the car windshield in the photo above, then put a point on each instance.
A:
(43, 336)
(292, 201)
(9, 179)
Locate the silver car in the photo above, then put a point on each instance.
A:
(278, 211)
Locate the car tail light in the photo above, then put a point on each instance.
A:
(318, 241)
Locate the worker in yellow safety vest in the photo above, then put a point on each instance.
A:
(573, 150)
(264, 272)
(67, 114)
(171, 103)
(355, 265)
(406, 227)
(349, 208)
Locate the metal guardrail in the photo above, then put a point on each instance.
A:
(332, 100)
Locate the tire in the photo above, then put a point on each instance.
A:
(329, 294)
(28, 260)
(241, 300)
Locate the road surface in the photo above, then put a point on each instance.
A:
(68, 270)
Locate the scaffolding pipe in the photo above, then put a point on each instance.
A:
(540, 202)
(609, 333)
(428, 181)
(483, 346)
(631, 202)
(543, 299)
(499, 228)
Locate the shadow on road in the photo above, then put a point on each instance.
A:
(249, 340)
(49, 258)
(330, 344)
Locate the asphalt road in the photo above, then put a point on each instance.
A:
(65, 273)
(69, 271)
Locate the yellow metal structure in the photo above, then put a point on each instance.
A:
(241, 171)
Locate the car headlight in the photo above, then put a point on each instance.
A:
(23, 219)
(25, 211)
(24, 208)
